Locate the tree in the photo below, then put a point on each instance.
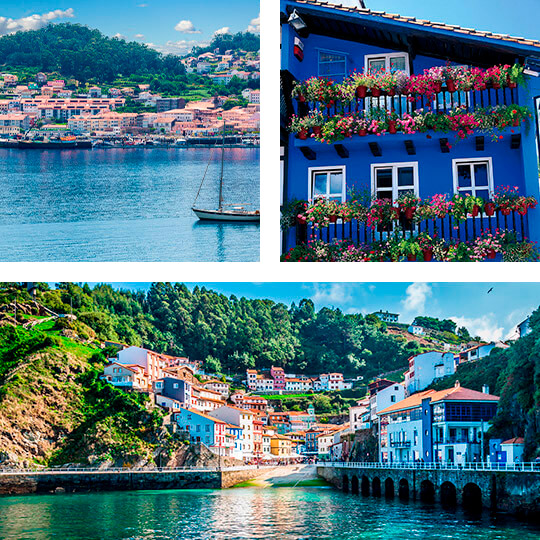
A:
(212, 365)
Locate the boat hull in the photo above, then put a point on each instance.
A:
(216, 215)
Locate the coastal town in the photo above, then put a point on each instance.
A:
(396, 422)
(46, 107)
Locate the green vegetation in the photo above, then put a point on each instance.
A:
(513, 374)
(445, 325)
(245, 41)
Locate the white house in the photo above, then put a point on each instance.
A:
(243, 419)
(472, 354)
(513, 449)
(387, 317)
(126, 376)
(426, 367)
(359, 415)
(385, 398)
(416, 330)
(152, 362)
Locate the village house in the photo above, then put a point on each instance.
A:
(446, 425)
(471, 354)
(424, 368)
(329, 40)
(152, 362)
(280, 446)
(126, 376)
(201, 428)
(243, 419)
(221, 387)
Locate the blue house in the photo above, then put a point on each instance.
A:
(331, 41)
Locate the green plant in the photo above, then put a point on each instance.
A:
(289, 211)
(409, 246)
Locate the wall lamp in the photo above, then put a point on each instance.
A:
(297, 22)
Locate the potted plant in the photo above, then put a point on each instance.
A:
(436, 75)
(407, 203)
(409, 247)
(450, 74)
(392, 122)
(488, 244)
(458, 210)
(425, 242)
(515, 76)
(489, 208)
(362, 82)
(381, 214)
(322, 212)
(505, 198)
(299, 91)
(388, 82)
(300, 126)
(290, 212)
(315, 121)
(473, 204)
(362, 125)
(498, 76)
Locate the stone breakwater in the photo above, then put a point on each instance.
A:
(18, 483)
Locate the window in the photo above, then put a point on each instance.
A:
(392, 399)
(387, 62)
(473, 177)
(392, 180)
(175, 385)
(332, 64)
(327, 183)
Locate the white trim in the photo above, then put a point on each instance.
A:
(387, 57)
(470, 161)
(329, 168)
(395, 167)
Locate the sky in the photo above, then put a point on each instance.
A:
(517, 18)
(172, 26)
(492, 316)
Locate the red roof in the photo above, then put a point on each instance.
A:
(515, 440)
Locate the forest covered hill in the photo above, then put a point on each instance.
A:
(231, 334)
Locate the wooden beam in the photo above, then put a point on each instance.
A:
(515, 141)
(375, 149)
(411, 149)
(443, 143)
(308, 152)
(341, 150)
(480, 143)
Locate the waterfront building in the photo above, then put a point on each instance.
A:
(446, 425)
(280, 446)
(126, 376)
(359, 415)
(201, 428)
(258, 426)
(11, 124)
(383, 398)
(512, 450)
(323, 39)
(241, 418)
(424, 368)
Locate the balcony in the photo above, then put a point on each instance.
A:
(400, 444)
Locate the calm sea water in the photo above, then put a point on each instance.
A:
(123, 205)
(252, 513)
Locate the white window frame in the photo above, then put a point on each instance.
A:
(328, 169)
(345, 56)
(387, 57)
(395, 167)
(472, 161)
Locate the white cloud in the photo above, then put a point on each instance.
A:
(485, 326)
(330, 294)
(120, 36)
(139, 36)
(33, 22)
(255, 25)
(180, 47)
(224, 30)
(415, 301)
(186, 27)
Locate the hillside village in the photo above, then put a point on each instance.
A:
(48, 104)
(420, 412)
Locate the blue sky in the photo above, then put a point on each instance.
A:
(491, 316)
(516, 18)
(169, 25)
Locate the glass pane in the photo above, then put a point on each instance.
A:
(405, 176)
(319, 184)
(337, 68)
(376, 64)
(336, 182)
(481, 174)
(403, 191)
(330, 57)
(397, 64)
(464, 175)
(384, 178)
(336, 199)
(384, 195)
(483, 193)
(465, 192)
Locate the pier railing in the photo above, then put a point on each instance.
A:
(472, 466)
(86, 470)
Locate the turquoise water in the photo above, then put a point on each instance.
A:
(251, 513)
(123, 205)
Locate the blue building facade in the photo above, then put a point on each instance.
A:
(319, 39)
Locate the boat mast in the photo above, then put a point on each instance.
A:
(222, 163)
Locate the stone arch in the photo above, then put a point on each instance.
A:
(389, 488)
(355, 485)
(403, 489)
(364, 486)
(376, 487)
(472, 497)
(448, 494)
(345, 483)
(427, 491)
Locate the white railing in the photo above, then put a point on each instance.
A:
(117, 470)
(473, 466)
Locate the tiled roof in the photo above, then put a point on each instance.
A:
(515, 440)
(457, 393)
(424, 23)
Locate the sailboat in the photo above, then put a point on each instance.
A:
(232, 212)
